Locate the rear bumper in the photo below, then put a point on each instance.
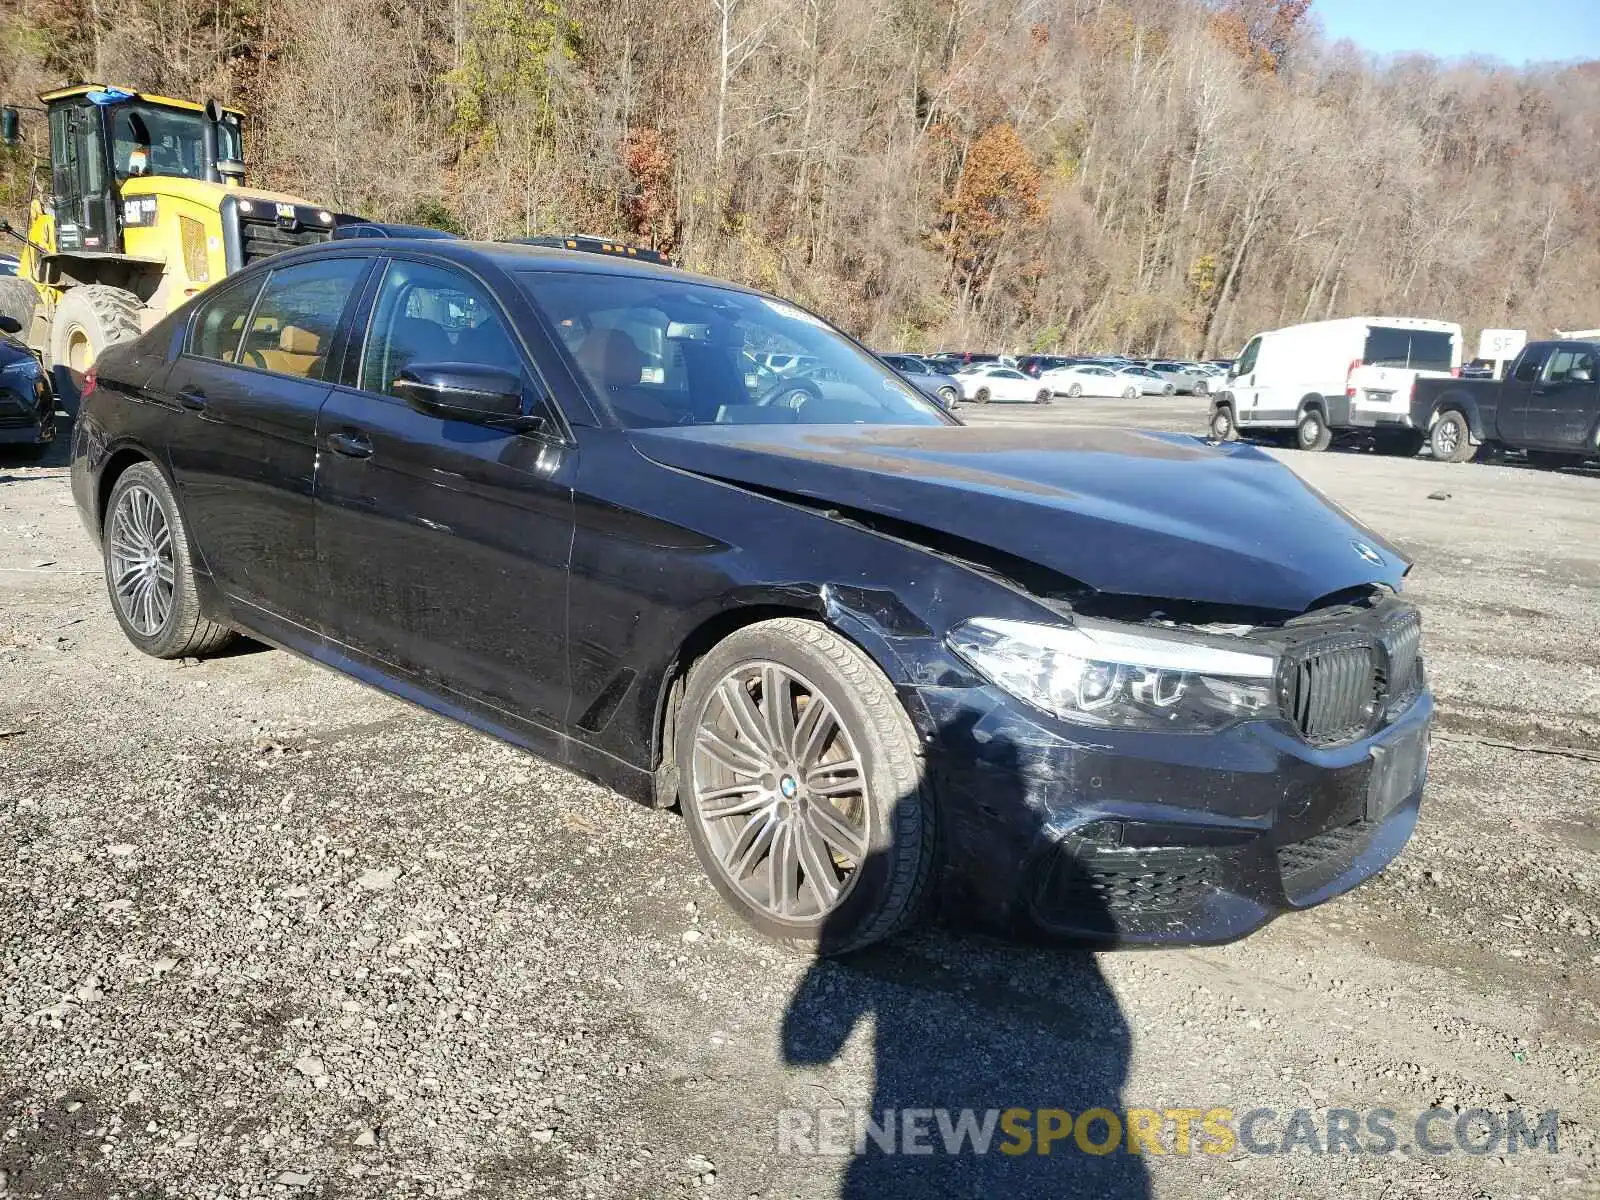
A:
(1158, 840)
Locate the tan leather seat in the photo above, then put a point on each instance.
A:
(297, 353)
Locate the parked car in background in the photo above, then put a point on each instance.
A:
(917, 372)
(1148, 381)
(991, 382)
(1305, 377)
(345, 226)
(959, 360)
(27, 405)
(1190, 379)
(1037, 364)
(1089, 379)
(1478, 368)
(8, 264)
(1059, 680)
(1548, 404)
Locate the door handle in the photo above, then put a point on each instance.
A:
(350, 444)
(195, 401)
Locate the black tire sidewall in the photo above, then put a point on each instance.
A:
(1462, 437)
(840, 927)
(1311, 418)
(1225, 414)
(161, 644)
(1075, 390)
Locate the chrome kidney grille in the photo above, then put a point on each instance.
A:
(1337, 689)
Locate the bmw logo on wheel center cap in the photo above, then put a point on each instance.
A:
(788, 787)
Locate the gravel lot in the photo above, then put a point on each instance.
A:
(265, 932)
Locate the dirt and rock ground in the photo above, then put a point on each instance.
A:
(265, 932)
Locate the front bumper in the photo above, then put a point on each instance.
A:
(1158, 839)
(27, 413)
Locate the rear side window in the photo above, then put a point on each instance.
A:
(1413, 349)
(219, 322)
(1528, 365)
(298, 315)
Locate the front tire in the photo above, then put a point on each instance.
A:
(89, 318)
(981, 396)
(1311, 432)
(1130, 393)
(1202, 388)
(1075, 390)
(950, 397)
(1450, 440)
(149, 573)
(1043, 397)
(1222, 427)
(802, 787)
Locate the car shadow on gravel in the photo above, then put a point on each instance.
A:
(966, 1025)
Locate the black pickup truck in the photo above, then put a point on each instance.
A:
(1548, 404)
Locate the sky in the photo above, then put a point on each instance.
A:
(1519, 32)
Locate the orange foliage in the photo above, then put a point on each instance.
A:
(651, 204)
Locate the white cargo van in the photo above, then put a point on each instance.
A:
(1304, 378)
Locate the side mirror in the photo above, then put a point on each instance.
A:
(466, 392)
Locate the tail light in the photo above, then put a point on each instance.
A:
(1349, 387)
(1455, 372)
(90, 381)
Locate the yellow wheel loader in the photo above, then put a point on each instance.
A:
(145, 207)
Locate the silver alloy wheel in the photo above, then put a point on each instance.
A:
(780, 792)
(1448, 436)
(142, 569)
(1310, 429)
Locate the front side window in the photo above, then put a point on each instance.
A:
(219, 321)
(432, 314)
(1247, 360)
(661, 351)
(298, 314)
(1570, 366)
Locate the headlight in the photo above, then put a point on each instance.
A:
(1119, 677)
(23, 366)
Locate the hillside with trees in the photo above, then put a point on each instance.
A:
(1163, 176)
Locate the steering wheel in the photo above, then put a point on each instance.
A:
(791, 393)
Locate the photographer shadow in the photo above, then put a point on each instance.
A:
(965, 1024)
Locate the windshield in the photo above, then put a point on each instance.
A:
(661, 351)
(147, 139)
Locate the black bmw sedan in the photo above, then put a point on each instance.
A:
(1087, 684)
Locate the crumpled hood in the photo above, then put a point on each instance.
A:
(1139, 514)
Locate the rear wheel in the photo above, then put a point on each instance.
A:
(17, 298)
(1130, 393)
(148, 571)
(1311, 432)
(1202, 388)
(950, 396)
(1450, 439)
(89, 318)
(1402, 443)
(981, 396)
(803, 790)
(1075, 390)
(1043, 397)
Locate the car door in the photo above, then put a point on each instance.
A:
(1560, 411)
(1242, 382)
(247, 387)
(1517, 394)
(443, 544)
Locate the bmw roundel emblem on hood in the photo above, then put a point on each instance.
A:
(1368, 553)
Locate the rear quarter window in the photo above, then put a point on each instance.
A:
(1414, 349)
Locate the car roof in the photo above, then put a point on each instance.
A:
(506, 256)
